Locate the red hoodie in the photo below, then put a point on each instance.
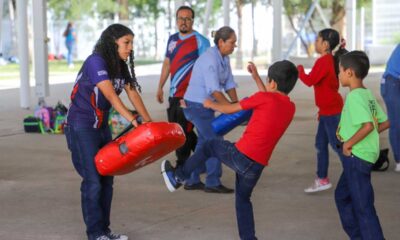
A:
(326, 85)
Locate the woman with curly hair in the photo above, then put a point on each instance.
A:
(103, 76)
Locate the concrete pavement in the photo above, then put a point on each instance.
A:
(40, 198)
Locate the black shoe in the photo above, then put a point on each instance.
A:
(196, 186)
(218, 189)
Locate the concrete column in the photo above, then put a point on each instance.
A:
(226, 7)
(207, 17)
(350, 24)
(23, 53)
(277, 30)
(374, 40)
(40, 48)
(1, 18)
(362, 29)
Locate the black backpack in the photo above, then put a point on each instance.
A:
(382, 164)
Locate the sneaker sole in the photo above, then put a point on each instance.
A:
(170, 187)
(322, 188)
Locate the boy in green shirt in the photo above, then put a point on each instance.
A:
(361, 122)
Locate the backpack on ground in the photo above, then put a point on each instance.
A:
(382, 164)
(33, 124)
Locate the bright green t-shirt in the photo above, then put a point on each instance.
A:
(361, 107)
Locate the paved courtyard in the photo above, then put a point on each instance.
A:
(40, 198)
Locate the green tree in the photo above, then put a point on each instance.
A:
(81, 9)
(151, 10)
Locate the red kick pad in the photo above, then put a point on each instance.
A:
(139, 147)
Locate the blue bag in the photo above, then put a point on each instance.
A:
(224, 123)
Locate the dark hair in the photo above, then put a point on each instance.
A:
(184, 8)
(332, 37)
(108, 49)
(223, 33)
(357, 61)
(67, 29)
(285, 74)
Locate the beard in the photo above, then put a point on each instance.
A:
(183, 31)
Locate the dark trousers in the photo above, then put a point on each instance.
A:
(326, 135)
(175, 114)
(354, 197)
(390, 91)
(96, 190)
(247, 174)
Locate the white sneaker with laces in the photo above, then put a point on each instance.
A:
(319, 185)
(115, 236)
(397, 169)
(103, 237)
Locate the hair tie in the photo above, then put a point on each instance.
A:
(342, 43)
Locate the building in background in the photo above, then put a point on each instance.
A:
(385, 30)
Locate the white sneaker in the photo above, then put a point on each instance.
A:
(397, 169)
(319, 185)
(115, 236)
(103, 237)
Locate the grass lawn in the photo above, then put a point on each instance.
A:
(11, 71)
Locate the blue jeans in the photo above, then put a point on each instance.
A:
(390, 91)
(247, 174)
(201, 118)
(354, 197)
(70, 48)
(326, 135)
(96, 190)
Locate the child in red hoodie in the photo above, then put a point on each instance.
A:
(323, 77)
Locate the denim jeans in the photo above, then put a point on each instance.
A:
(201, 118)
(326, 135)
(354, 197)
(70, 48)
(96, 190)
(390, 91)
(247, 174)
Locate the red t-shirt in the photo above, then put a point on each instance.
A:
(326, 85)
(272, 114)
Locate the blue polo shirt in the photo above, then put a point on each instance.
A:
(393, 64)
(89, 107)
(211, 72)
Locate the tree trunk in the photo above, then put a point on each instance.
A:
(337, 18)
(169, 15)
(156, 39)
(123, 10)
(239, 54)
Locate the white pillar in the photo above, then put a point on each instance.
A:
(23, 53)
(362, 28)
(374, 40)
(40, 48)
(1, 18)
(277, 30)
(226, 8)
(350, 24)
(207, 17)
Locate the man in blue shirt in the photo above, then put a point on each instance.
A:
(390, 91)
(211, 76)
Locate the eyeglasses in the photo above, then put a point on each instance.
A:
(185, 19)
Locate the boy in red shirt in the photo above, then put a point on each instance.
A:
(273, 111)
